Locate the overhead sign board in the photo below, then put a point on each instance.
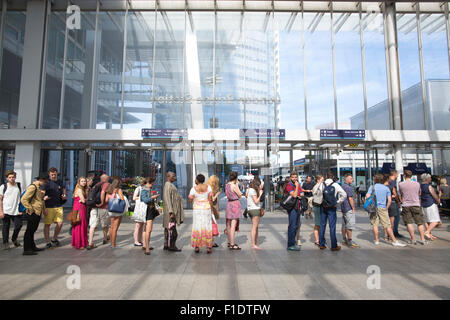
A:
(335, 134)
(164, 133)
(262, 133)
(299, 162)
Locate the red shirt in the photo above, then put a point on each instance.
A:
(291, 187)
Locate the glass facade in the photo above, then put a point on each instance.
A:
(302, 67)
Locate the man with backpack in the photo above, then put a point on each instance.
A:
(9, 208)
(99, 212)
(383, 200)
(33, 201)
(295, 191)
(333, 195)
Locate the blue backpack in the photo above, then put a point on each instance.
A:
(329, 197)
(370, 205)
(21, 206)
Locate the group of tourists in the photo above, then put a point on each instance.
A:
(103, 203)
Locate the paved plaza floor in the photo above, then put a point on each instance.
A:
(413, 272)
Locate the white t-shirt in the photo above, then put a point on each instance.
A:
(250, 203)
(11, 199)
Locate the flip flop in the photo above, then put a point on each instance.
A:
(235, 247)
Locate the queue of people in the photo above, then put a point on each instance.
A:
(103, 204)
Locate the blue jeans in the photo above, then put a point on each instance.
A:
(294, 224)
(330, 215)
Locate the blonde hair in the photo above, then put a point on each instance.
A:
(213, 182)
(78, 186)
(443, 181)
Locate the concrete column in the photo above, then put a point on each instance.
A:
(393, 65)
(291, 160)
(33, 55)
(398, 157)
(27, 154)
(353, 168)
(27, 160)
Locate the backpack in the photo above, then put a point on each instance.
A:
(94, 195)
(288, 202)
(21, 206)
(370, 205)
(304, 204)
(329, 196)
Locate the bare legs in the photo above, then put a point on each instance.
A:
(421, 229)
(138, 232)
(430, 226)
(388, 231)
(147, 233)
(254, 232)
(231, 228)
(316, 234)
(115, 223)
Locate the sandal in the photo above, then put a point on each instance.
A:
(428, 236)
(317, 244)
(229, 245)
(235, 247)
(197, 250)
(208, 250)
(215, 245)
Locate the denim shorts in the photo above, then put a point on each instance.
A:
(316, 211)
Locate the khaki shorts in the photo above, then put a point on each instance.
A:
(99, 216)
(412, 215)
(54, 215)
(382, 216)
(310, 199)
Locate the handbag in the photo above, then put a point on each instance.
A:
(215, 228)
(74, 217)
(116, 205)
(288, 202)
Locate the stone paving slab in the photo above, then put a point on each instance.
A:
(414, 272)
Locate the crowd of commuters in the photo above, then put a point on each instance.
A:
(101, 202)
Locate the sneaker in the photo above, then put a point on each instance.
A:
(6, 246)
(398, 244)
(354, 245)
(322, 247)
(56, 242)
(336, 249)
(345, 241)
(90, 247)
(48, 246)
(299, 243)
(293, 248)
(413, 242)
(376, 242)
(423, 242)
(17, 244)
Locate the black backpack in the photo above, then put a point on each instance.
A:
(288, 202)
(94, 195)
(303, 204)
(329, 196)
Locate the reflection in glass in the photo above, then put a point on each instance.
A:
(259, 70)
(319, 71)
(408, 53)
(54, 70)
(78, 83)
(349, 88)
(199, 67)
(229, 70)
(375, 73)
(292, 108)
(138, 70)
(169, 69)
(13, 41)
(109, 84)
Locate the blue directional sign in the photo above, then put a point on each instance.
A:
(299, 162)
(163, 133)
(334, 134)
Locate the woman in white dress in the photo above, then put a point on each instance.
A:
(201, 196)
(138, 217)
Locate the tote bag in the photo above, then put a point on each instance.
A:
(140, 209)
